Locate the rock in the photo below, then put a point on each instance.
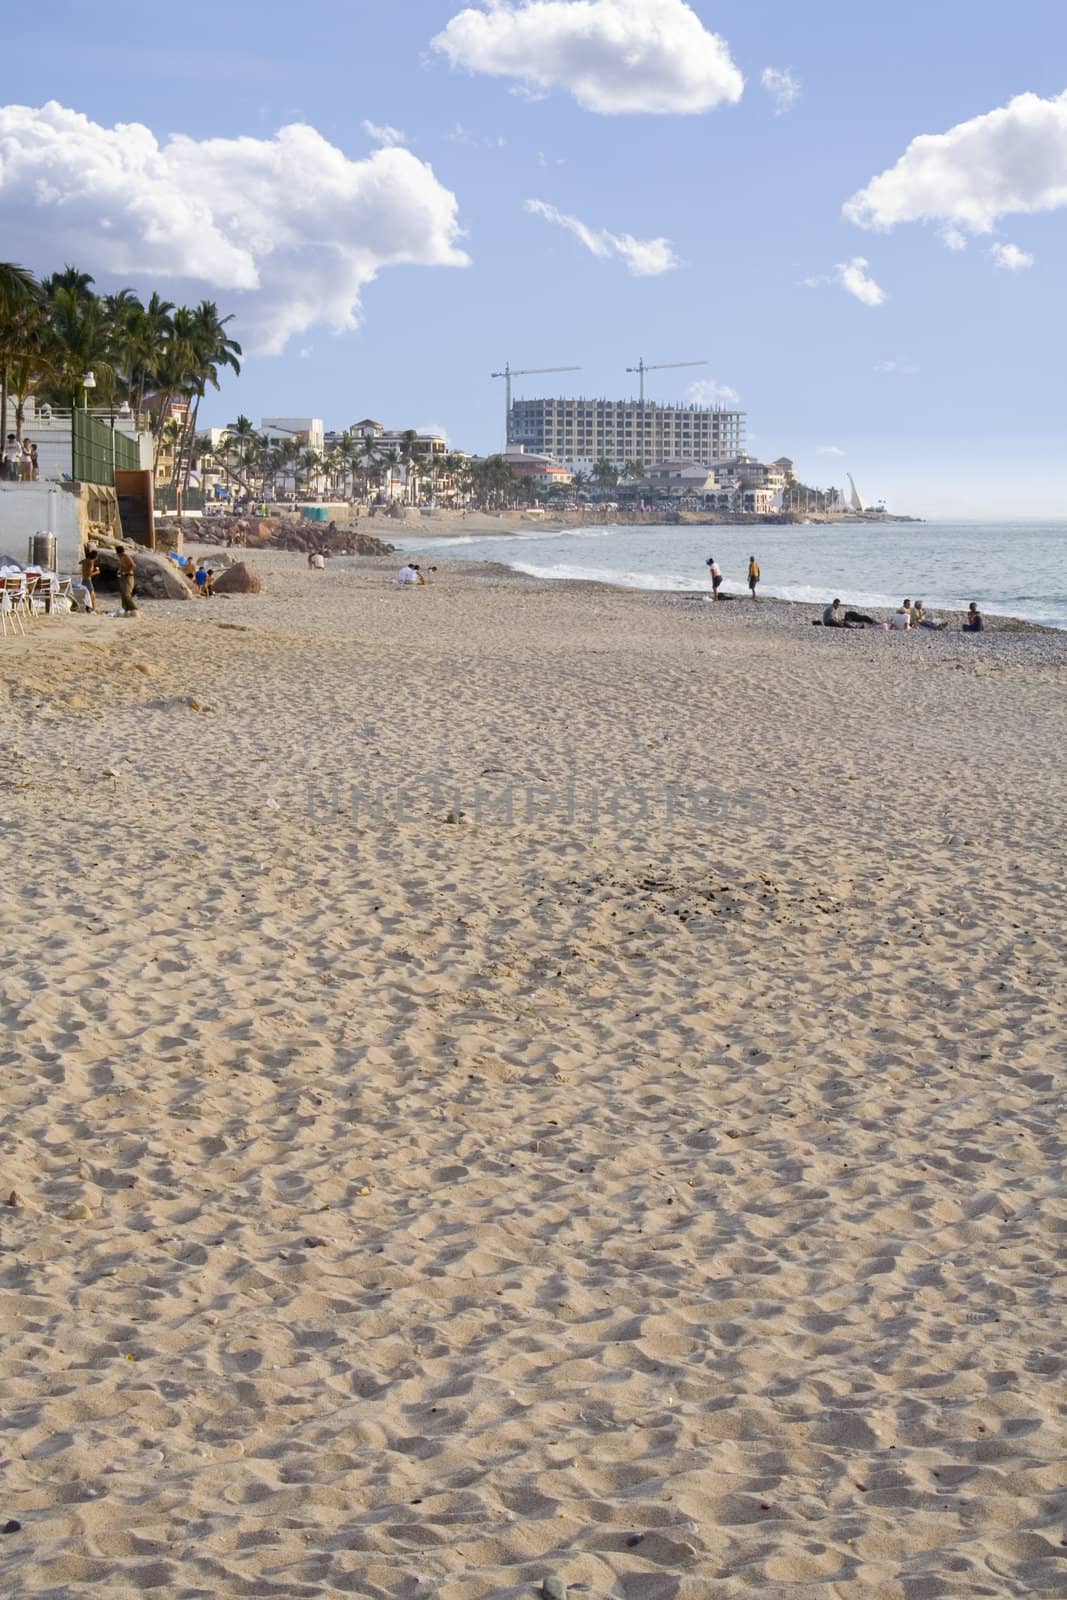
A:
(79, 1212)
(238, 580)
(11, 1526)
(196, 705)
(16, 1200)
(554, 1589)
(156, 577)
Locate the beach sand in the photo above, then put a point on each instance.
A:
(667, 1200)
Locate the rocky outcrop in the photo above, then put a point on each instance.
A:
(278, 533)
(238, 580)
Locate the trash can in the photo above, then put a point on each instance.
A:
(43, 551)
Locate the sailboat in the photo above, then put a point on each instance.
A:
(854, 499)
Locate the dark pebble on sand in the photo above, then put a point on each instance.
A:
(11, 1527)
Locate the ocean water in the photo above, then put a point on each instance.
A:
(1017, 569)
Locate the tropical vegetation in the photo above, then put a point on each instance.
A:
(154, 359)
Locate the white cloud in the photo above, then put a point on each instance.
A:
(645, 258)
(382, 133)
(612, 55)
(706, 392)
(783, 86)
(286, 232)
(458, 134)
(828, 450)
(900, 369)
(1012, 160)
(1010, 257)
(854, 277)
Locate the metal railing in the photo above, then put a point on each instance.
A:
(97, 450)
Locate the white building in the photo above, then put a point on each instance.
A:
(308, 432)
(626, 430)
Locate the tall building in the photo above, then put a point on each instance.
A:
(626, 430)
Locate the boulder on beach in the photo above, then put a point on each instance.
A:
(156, 577)
(238, 580)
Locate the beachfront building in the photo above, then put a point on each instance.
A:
(541, 470)
(308, 432)
(586, 431)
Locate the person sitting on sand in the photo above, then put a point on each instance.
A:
(919, 619)
(409, 575)
(900, 621)
(318, 561)
(834, 616)
(973, 622)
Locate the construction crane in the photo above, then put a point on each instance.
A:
(660, 366)
(522, 372)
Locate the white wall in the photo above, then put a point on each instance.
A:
(29, 508)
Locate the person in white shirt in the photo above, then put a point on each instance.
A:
(409, 574)
(900, 621)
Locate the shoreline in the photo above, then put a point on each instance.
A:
(1005, 622)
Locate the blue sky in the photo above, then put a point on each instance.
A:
(946, 397)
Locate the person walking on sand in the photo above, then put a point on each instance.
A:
(127, 580)
(716, 576)
(753, 575)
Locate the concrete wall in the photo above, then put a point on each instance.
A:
(29, 508)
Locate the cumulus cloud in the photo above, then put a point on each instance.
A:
(783, 86)
(829, 450)
(645, 258)
(707, 392)
(383, 133)
(1010, 161)
(1011, 258)
(854, 277)
(612, 55)
(285, 232)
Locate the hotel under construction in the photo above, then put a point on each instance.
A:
(626, 430)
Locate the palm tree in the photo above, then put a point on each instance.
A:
(213, 348)
(20, 301)
(371, 458)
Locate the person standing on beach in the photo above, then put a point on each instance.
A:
(12, 461)
(127, 580)
(716, 576)
(753, 575)
(89, 571)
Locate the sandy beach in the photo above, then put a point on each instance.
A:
(510, 1081)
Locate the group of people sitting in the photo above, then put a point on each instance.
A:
(911, 614)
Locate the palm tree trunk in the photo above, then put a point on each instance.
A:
(3, 397)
